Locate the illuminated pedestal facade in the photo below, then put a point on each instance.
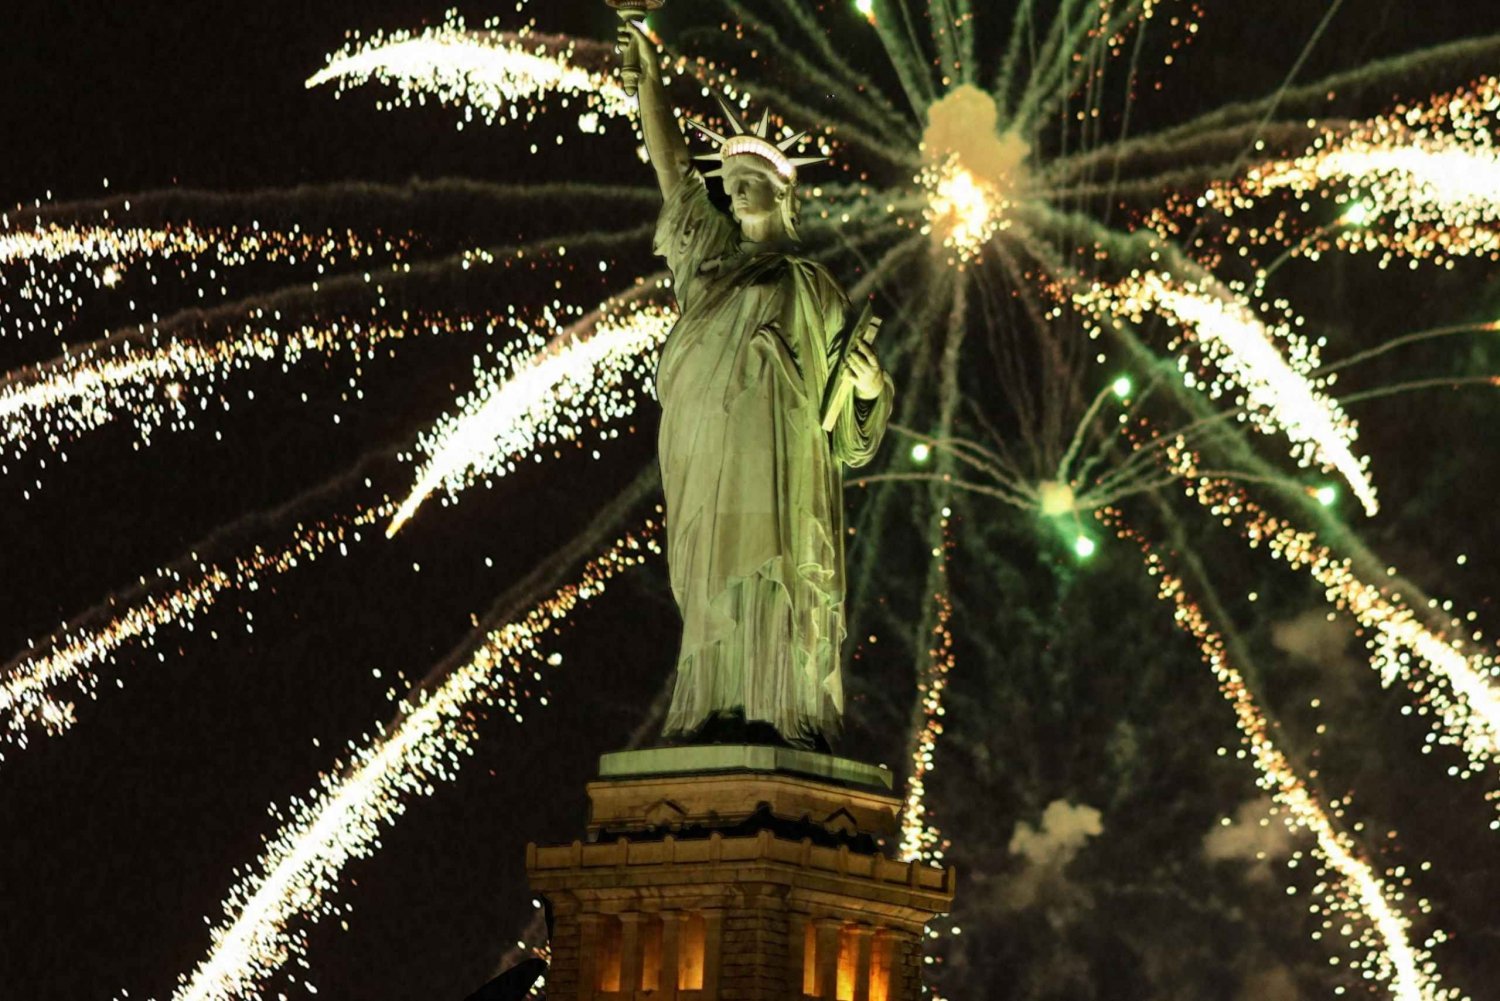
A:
(728, 873)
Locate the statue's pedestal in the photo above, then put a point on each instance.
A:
(719, 786)
(737, 873)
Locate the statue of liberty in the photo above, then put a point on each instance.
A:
(755, 369)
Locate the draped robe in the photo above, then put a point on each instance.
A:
(753, 483)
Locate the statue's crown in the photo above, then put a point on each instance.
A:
(754, 142)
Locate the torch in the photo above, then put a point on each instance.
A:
(631, 10)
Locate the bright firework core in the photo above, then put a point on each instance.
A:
(1056, 498)
(972, 170)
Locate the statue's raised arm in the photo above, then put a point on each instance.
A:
(665, 144)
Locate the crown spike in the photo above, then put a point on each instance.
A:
(747, 142)
(734, 119)
(706, 131)
(790, 141)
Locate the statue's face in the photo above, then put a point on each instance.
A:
(753, 190)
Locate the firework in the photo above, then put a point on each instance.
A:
(52, 243)
(1422, 183)
(496, 75)
(1458, 684)
(31, 685)
(153, 377)
(300, 868)
(1276, 388)
(50, 267)
(920, 839)
(970, 209)
(1389, 956)
(546, 398)
(963, 212)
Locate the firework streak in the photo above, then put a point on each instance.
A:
(1389, 956)
(150, 376)
(492, 73)
(920, 839)
(53, 243)
(29, 696)
(548, 397)
(506, 77)
(1422, 182)
(301, 866)
(1277, 391)
(45, 298)
(1460, 686)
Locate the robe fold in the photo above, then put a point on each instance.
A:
(753, 484)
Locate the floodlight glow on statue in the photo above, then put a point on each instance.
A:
(752, 480)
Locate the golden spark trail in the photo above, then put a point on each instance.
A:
(100, 243)
(498, 75)
(1389, 955)
(1467, 716)
(1422, 182)
(150, 380)
(1277, 390)
(46, 296)
(342, 822)
(230, 246)
(503, 77)
(920, 839)
(546, 398)
(28, 688)
(1434, 171)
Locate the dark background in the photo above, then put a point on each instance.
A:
(117, 839)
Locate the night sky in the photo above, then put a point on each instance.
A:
(120, 836)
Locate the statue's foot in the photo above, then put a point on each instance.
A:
(735, 729)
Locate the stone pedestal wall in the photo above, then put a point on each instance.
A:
(732, 906)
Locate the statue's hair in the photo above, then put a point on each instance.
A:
(790, 206)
